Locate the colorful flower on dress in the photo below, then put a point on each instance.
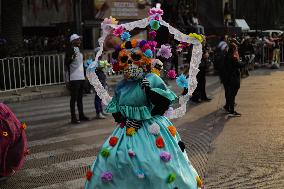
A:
(5, 134)
(131, 153)
(154, 24)
(140, 174)
(106, 176)
(171, 74)
(145, 47)
(148, 53)
(23, 126)
(110, 20)
(153, 34)
(142, 43)
(113, 141)
(134, 43)
(198, 181)
(153, 45)
(89, 175)
(172, 130)
(160, 142)
(182, 81)
(118, 31)
(154, 11)
(125, 36)
(196, 36)
(154, 129)
(165, 51)
(171, 177)
(105, 152)
(165, 156)
(130, 131)
(121, 125)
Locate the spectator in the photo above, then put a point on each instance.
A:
(231, 79)
(75, 76)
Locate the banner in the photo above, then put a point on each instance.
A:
(121, 9)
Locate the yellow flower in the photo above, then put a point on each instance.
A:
(113, 20)
(156, 71)
(196, 36)
(199, 181)
(5, 134)
(130, 131)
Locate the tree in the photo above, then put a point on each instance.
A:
(12, 15)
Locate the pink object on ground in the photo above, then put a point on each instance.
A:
(13, 142)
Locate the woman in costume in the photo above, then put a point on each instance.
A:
(145, 150)
(13, 143)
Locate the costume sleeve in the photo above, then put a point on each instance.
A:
(160, 96)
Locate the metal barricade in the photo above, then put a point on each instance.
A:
(267, 54)
(31, 71)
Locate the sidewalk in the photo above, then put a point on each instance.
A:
(33, 93)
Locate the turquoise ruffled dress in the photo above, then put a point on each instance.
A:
(148, 158)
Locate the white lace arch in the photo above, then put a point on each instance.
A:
(179, 36)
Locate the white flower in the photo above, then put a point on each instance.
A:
(154, 129)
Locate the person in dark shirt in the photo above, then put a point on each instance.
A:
(231, 78)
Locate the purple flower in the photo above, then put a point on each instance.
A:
(165, 51)
(152, 34)
(142, 43)
(131, 153)
(106, 176)
(165, 156)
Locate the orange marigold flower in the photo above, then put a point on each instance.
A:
(89, 175)
(160, 142)
(5, 134)
(134, 43)
(113, 141)
(130, 131)
(23, 126)
(172, 130)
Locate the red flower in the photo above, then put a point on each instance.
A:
(160, 142)
(113, 141)
(89, 175)
(23, 126)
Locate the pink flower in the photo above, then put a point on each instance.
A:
(118, 31)
(165, 51)
(153, 11)
(172, 74)
(153, 45)
(145, 47)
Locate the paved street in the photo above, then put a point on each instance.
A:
(246, 152)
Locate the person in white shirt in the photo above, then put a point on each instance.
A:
(76, 78)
